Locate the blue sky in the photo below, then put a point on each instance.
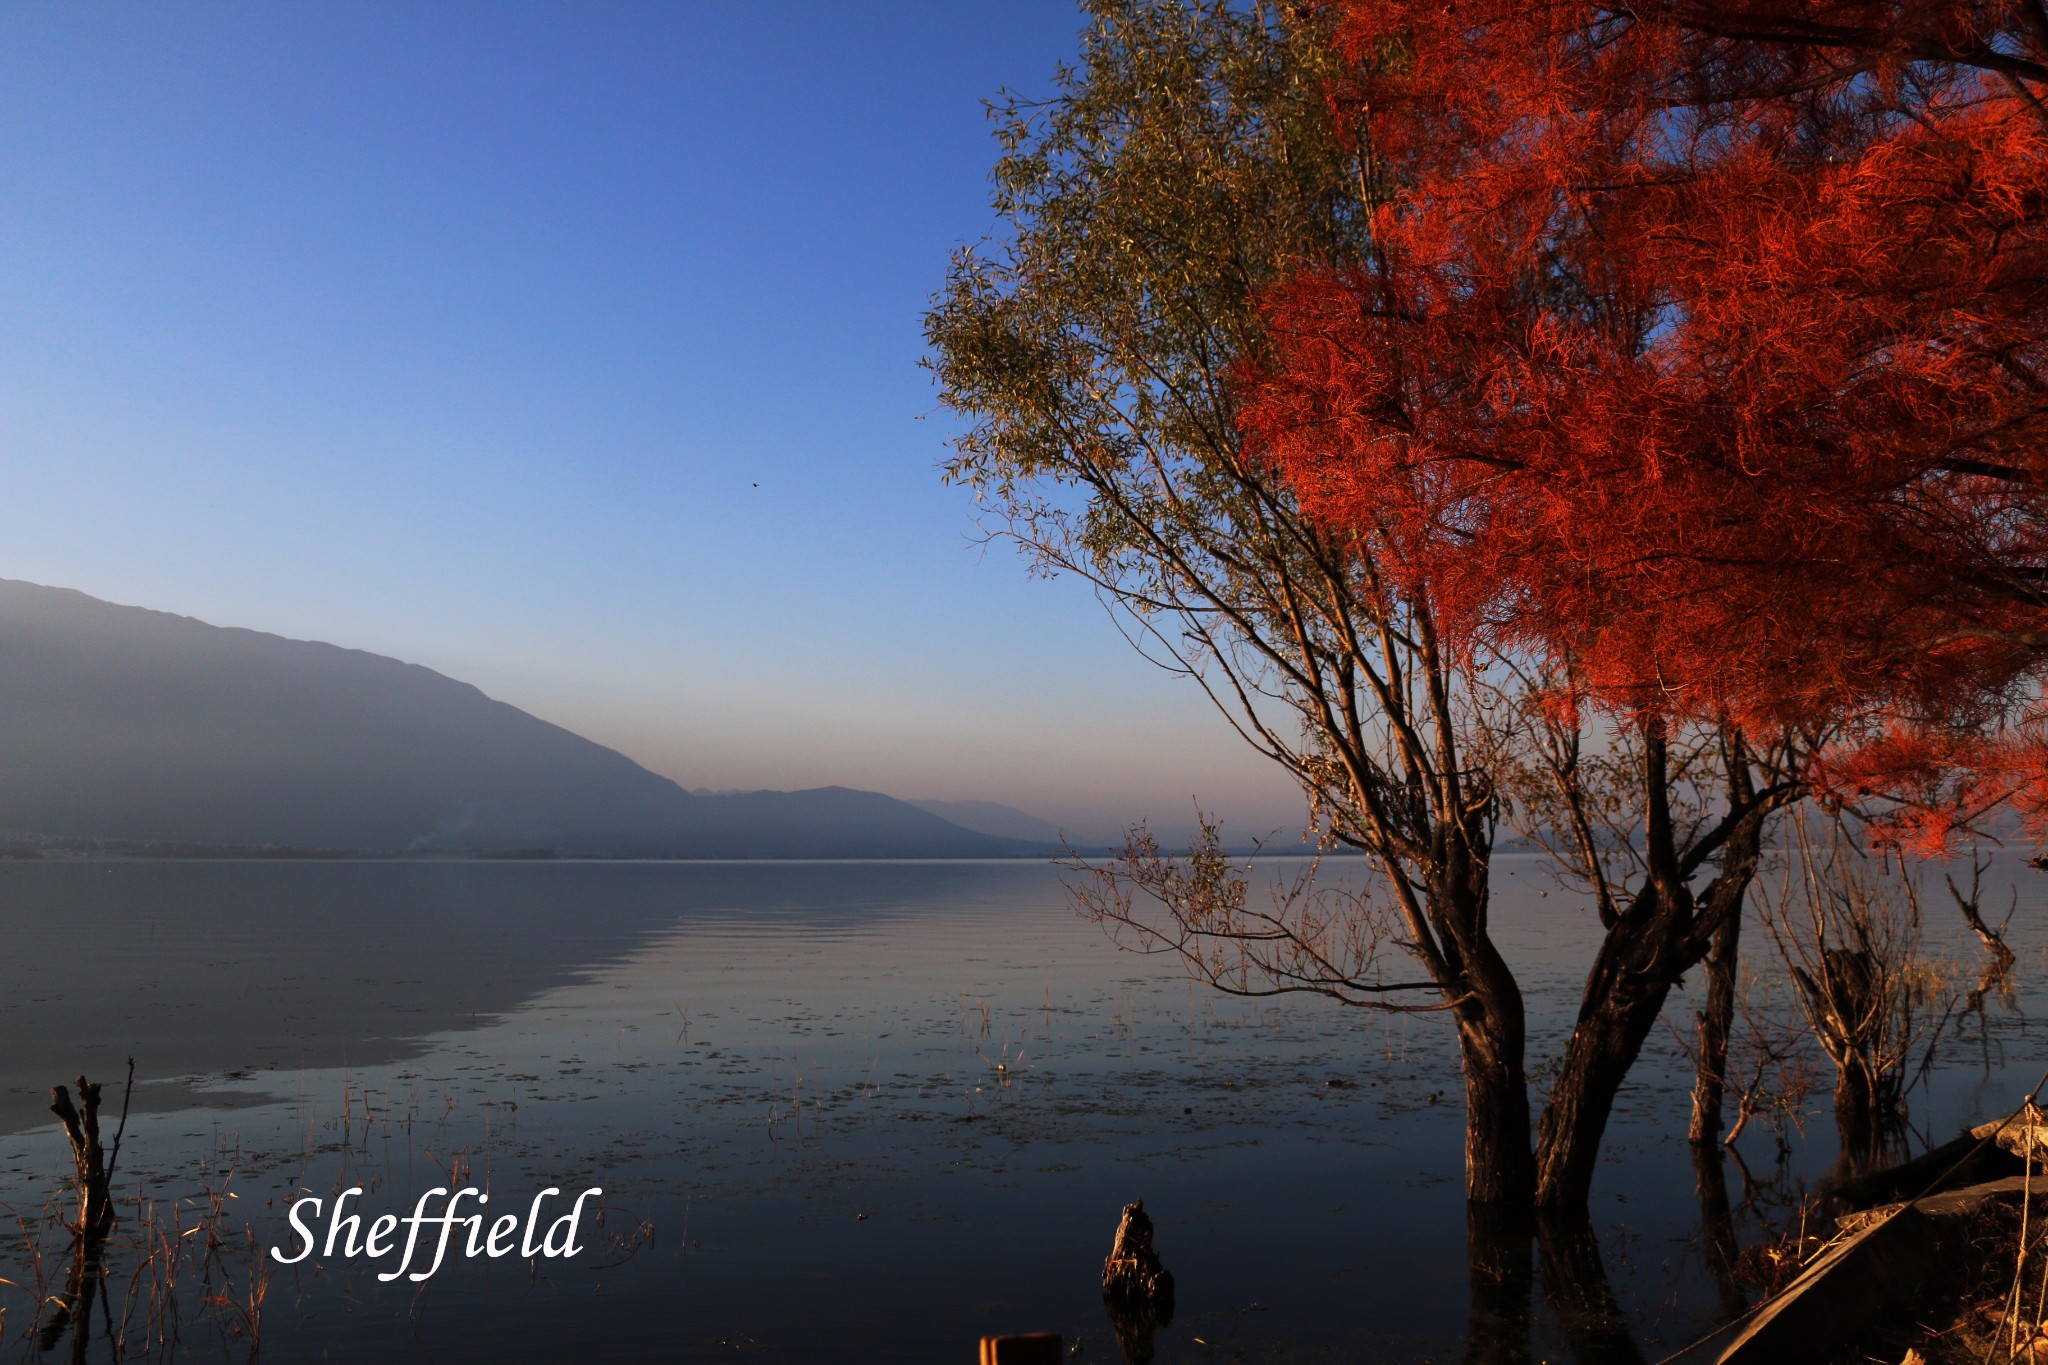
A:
(463, 333)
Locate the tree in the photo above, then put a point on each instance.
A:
(1186, 165)
(1181, 173)
(1699, 348)
(1639, 815)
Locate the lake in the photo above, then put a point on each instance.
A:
(838, 1111)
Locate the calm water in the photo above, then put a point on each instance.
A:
(839, 1111)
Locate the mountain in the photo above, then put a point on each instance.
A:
(993, 817)
(122, 724)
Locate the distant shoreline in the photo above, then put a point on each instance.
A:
(63, 850)
(121, 851)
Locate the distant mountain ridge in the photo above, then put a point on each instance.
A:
(125, 724)
(993, 817)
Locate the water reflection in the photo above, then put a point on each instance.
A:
(1501, 1272)
(242, 967)
(1868, 1141)
(1576, 1288)
(910, 1099)
(1718, 1244)
(1503, 1249)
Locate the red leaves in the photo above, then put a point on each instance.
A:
(1705, 351)
(1934, 785)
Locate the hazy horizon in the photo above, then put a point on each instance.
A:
(1082, 827)
(562, 352)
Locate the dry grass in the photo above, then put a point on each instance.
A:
(171, 1266)
(1994, 1311)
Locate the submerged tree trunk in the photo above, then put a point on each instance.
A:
(1665, 931)
(1856, 1126)
(95, 1174)
(1871, 1138)
(1624, 993)
(82, 1129)
(1848, 1004)
(1656, 940)
(74, 1307)
(1500, 1165)
(1710, 1082)
(1868, 1123)
(1856, 1105)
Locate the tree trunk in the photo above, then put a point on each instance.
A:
(1654, 941)
(1855, 1098)
(1500, 1165)
(1665, 931)
(1624, 994)
(1710, 1081)
(1872, 1136)
(1856, 1122)
(82, 1128)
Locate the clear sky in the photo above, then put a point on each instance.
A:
(465, 333)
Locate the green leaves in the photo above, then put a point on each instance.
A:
(1190, 160)
(1187, 160)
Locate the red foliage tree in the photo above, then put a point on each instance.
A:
(1704, 350)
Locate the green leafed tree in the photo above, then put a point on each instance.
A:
(1186, 161)
(1090, 352)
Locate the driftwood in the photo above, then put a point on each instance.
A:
(1136, 1289)
(1854, 1287)
(1963, 1203)
(1965, 1160)
(1875, 1275)
(1880, 1267)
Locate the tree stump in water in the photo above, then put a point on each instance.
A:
(1136, 1288)
(1033, 1348)
(95, 1206)
(1133, 1274)
(95, 1167)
